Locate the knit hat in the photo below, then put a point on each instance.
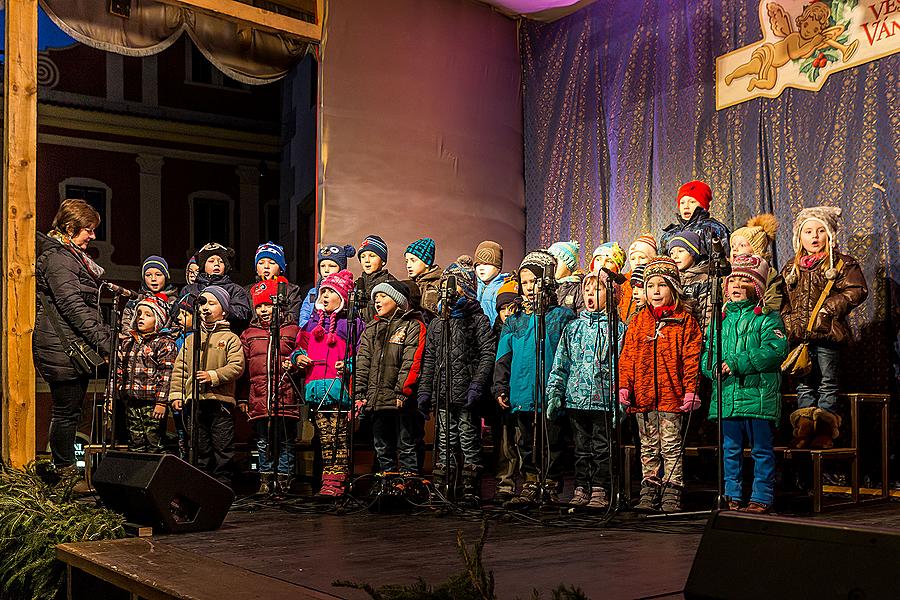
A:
(566, 252)
(341, 283)
(374, 243)
(637, 276)
(829, 216)
(697, 190)
(423, 249)
(214, 249)
(666, 268)
(507, 293)
(465, 278)
(489, 253)
(395, 290)
(753, 267)
(539, 262)
(264, 292)
(155, 262)
(157, 304)
(221, 294)
(645, 243)
(602, 276)
(338, 254)
(610, 250)
(759, 233)
(187, 268)
(688, 240)
(272, 251)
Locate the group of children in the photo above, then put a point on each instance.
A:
(424, 346)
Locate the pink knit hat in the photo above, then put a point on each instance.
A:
(342, 283)
(753, 267)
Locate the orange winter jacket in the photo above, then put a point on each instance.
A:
(660, 361)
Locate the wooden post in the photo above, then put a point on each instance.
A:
(19, 205)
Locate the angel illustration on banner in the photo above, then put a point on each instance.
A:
(814, 32)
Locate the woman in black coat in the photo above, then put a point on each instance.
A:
(69, 281)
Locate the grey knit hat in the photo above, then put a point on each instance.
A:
(395, 290)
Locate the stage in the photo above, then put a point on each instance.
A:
(309, 549)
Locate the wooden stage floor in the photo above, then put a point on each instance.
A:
(646, 560)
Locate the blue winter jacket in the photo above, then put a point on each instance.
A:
(581, 370)
(514, 371)
(487, 295)
(308, 306)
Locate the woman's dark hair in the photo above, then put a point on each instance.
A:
(74, 215)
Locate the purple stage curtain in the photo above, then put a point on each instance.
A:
(620, 111)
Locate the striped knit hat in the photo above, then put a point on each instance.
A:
(645, 243)
(374, 243)
(155, 262)
(465, 278)
(637, 276)
(539, 262)
(272, 251)
(664, 267)
(566, 252)
(689, 241)
(753, 267)
(489, 253)
(157, 304)
(423, 249)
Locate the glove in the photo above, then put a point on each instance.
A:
(553, 408)
(424, 404)
(690, 403)
(623, 397)
(474, 394)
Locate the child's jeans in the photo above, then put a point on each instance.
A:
(661, 447)
(591, 434)
(333, 430)
(215, 439)
(759, 433)
(464, 432)
(287, 442)
(821, 381)
(394, 433)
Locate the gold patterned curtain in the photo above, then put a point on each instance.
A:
(620, 111)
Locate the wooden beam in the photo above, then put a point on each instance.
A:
(257, 17)
(19, 206)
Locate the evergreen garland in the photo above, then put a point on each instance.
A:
(36, 514)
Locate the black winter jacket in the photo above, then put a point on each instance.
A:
(472, 350)
(68, 285)
(389, 361)
(370, 281)
(241, 312)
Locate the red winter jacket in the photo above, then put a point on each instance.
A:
(255, 341)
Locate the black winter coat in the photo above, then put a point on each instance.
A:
(68, 285)
(241, 312)
(370, 281)
(472, 351)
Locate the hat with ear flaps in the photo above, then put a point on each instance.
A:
(830, 218)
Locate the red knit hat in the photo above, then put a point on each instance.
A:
(697, 190)
(264, 292)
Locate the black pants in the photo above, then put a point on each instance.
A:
(591, 448)
(65, 414)
(525, 439)
(215, 439)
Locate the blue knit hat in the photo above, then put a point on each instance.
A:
(688, 240)
(155, 262)
(221, 295)
(374, 243)
(566, 252)
(272, 251)
(465, 279)
(338, 254)
(422, 249)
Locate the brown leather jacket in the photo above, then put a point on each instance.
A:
(848, 292)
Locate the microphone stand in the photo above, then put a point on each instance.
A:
(539, 436)
(718, 270)
(195, 383)
(446, 426)
(108, 417)
(348, 379)
(617, 498)
(273, 358)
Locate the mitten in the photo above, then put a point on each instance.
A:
(690, 403)
(623, 397)
(474, 394)
(424, 404)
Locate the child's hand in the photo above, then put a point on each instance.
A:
(245, 407)
(360, 406)
(302, 361)
(503, 401)
(339, 367)
(400, 402)
(623, 397)
(204, 377)
(690, 403)
(176, 404)
(159, 411)
(286, 364)
(725, 369)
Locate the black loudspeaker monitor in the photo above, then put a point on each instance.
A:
(162, 491)
(753, 557)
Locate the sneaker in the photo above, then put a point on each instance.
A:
(757, 508)
(598, 498)
(733, 505)
(528, 496)
(503, 496)
(580, 498)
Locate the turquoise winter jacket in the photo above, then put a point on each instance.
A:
(753, 346)
(581, 371)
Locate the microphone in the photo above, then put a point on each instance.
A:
(613, 276)
(281, 294)
(119, 290)
(719, 257)
(201, 300)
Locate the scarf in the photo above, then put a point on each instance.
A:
(811, 260)
(93, 269)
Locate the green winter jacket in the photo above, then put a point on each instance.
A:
(753, 346)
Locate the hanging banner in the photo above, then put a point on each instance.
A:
(805, 42)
